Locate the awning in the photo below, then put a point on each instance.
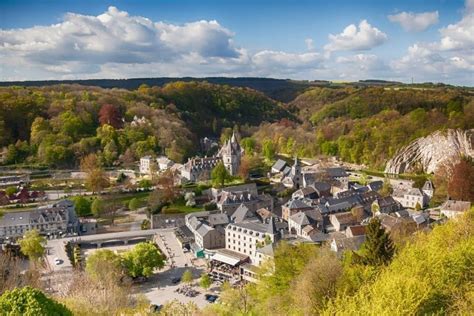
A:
(226, 259)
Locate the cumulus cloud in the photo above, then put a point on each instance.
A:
(449, 58)
(415, 22)
(356, 38)
(115, 44)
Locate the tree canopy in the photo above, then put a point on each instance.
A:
(142, 259)
(30, 302)
(32, 245)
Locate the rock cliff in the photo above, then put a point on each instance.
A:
(427, 153)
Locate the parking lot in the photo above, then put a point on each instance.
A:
(160, 289)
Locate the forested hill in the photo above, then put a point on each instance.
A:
(57, 125)
(368, 124)
(283, 90)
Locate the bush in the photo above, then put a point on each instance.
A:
(210, 206)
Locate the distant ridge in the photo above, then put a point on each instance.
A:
(283, 90)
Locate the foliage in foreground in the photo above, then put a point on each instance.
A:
(431, 274)
(30, 302)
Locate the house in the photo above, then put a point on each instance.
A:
(305, 193)
(199, 169)
(54, 219)
(229, 201)
(385, 205)
(297, 222)
(164, 163)
(248, 187)
(375, 185)
(247, 237)
(294, 206)
(341, 221)
(411, 198)
(279, 166)
(337, 173)
(146, 164)
(314, 191)
(208, 229)
(453, 208)
(340, 244)
(354, 231)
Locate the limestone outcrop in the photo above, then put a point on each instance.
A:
(427, 153)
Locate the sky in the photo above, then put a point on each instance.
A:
(311, 40)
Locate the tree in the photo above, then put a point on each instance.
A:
(97, 207)
(142, 259)
(134, 204)
(268, 150)
(244, 168)
(378, 247)
(165, 184)
(461, 182)
(110, 115)
(104, 265)
(187, 276)
(417, 207)
(82, 206)
(29, 301)
(219, 174)
(145, 184)
(10, 191)
(32, 245)
(248, 144)
(387, 188)
(96, 179)
(205, 281)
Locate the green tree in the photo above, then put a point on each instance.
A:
(219, 174)
(248, 144)
(145, 184)
(104, 265)
(378, 247)
(134, 204)
(268, 150)
(205, 281)
(32, 245)
(97, 207)
(142, 259)
(82, 206)
(387, 188)
(187, 276)
(11, 191)
(28, 301)
(417, 207)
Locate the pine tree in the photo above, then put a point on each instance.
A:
(378, 247)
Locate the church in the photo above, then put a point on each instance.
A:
(199, 169)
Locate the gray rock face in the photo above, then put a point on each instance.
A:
(432, 151)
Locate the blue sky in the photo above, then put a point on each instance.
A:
(394, 40)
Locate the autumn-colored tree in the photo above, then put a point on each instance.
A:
(244, 168)
(165, 184)
(96, 179)
(461, 183)
(110, 115)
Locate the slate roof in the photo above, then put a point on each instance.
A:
(218, 219)
(300, 218)
(336, 172)
(457, 206)
(296, 204)
(279, 165)
(242, 213)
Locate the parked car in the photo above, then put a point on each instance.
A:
(58, 261)
(211, 298)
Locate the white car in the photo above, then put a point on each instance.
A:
(58, 261)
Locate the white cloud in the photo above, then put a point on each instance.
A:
(115, 44)
(415, 22)
(356, 38)
(450, 58)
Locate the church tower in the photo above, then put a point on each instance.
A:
(296, 175)
(231, 154)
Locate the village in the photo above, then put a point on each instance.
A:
(227, 231)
